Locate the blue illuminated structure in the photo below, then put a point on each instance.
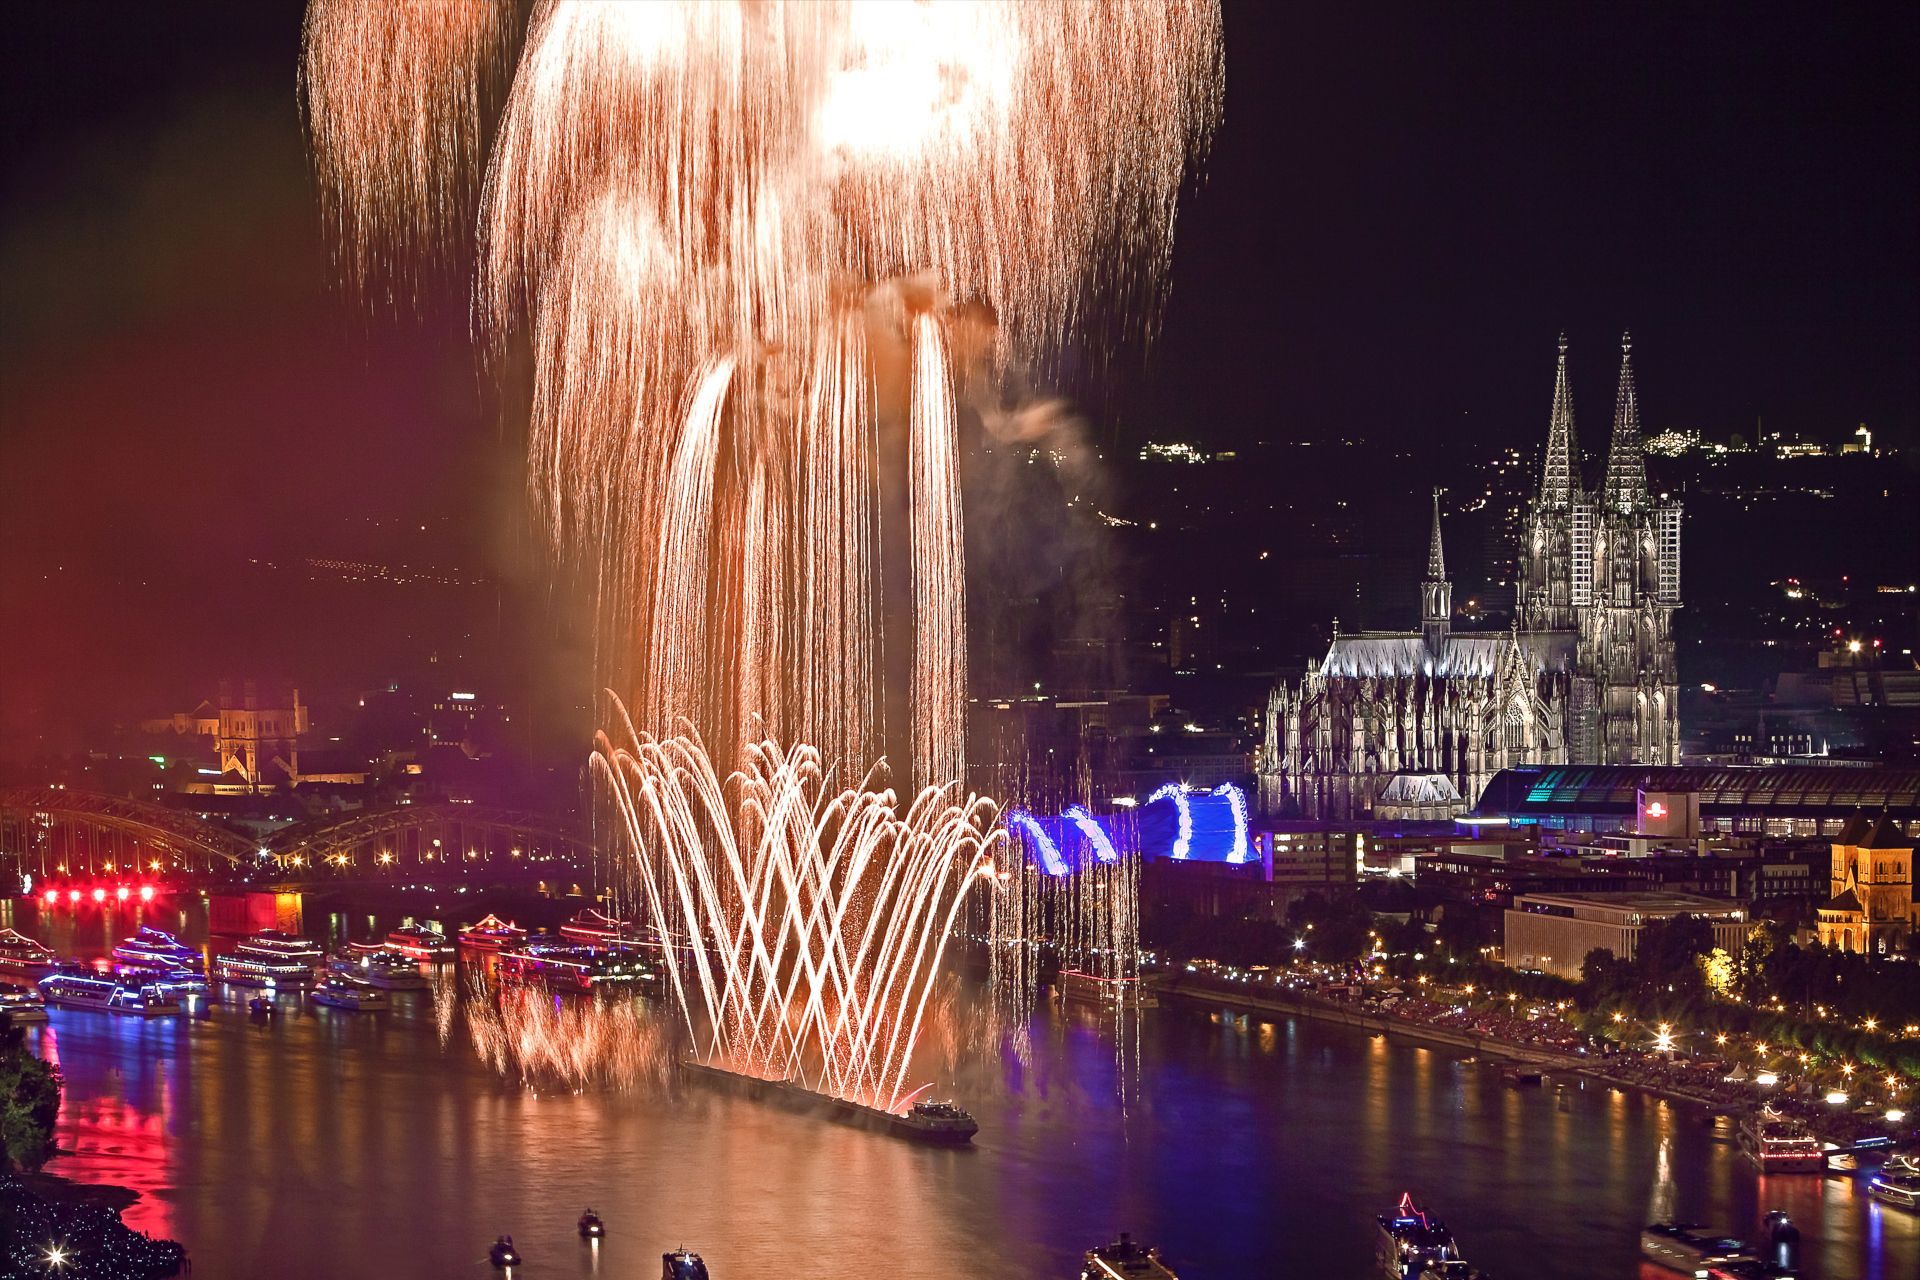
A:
(1025, 825)
(1175, 822)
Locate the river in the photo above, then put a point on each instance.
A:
(327, 1143)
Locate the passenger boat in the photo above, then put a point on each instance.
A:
(1898, 1184)
(182, 984)
(344, 993)
(1690, 1249)
(275, 945)
(492, 934)
(157, 949)
(1779, 1143)
(1074, 985)
(420, 942)
(81, 991)
(21, 956)
(570, 966)
(246, 970)
(384, 969)
(20, 1006)
(599, 927)
(1124, 1259)
(940, 1123)
(1410, 1240)
(682, 1264)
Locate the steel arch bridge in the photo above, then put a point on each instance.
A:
(55, 827)
(177, 833)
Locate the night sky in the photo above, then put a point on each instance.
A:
(1404, 206)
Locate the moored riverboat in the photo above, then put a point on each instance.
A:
(24, 957)
(492, 934)
(420, 942)
(246, 970)
(938, 1123)
(108, 995)
(1079, 987)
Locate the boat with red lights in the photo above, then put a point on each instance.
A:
(1778, 1143)
(84, 991)
(23, 957)
(1898, 1184)
(420, 942)
(492, 934)
(1411, 1242)
(23, 1005)
(600, 928)
(574, 966)
(247, 969)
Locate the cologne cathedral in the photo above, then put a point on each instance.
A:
(1413, 724)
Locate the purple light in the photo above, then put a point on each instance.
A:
(1177, 792)
(1237, 801)
(1096, 836)
(1043, 846)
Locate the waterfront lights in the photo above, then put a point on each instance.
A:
(122, 893)
(1664, 1041)
(1618, 1016)
(73, 895)
(1766, 1078)
(1721, 1038)
(1299, 944)
(56, 1256)
(146, 893)
(99, 895)
(1836, 1098)
(52, 896)
(1896, 1115)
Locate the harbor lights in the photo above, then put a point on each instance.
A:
(1664, 1041)
(122, 893)
(146, 893)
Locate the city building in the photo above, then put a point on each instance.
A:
(255, 746)
(1806, 801)
(1872, 909)
(1586, 674)
(1554, 932)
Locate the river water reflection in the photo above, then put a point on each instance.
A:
(331, 1144)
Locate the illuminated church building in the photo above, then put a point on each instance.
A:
(1415, 723)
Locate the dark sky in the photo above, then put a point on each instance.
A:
(1404, 206)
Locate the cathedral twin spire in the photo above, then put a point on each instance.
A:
(1625, 484)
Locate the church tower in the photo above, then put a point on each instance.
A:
(1559, 529)
(1626, 687)
(1436, 593)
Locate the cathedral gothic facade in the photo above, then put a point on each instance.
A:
(1586, 674)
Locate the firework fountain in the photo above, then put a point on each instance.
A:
(755, 249)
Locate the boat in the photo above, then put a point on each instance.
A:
(1410, 1240)
(1521, 1076)
(83, 991)
(599, 927)
(503, 1254)
(152, 948)
(941, 1122)
(23, 957)
(420, 942)
(183, 984)
(682, 1264)
(492, 934)
(1125, 1259)
(1778, 1143)
(1690, 1249)
(387, 970)
(258, 971)
(275, 945)
(575, 966)
(1450, 1269)
(20, 1007)
(1075, 985)
(933, 1122)
(591, 1228)
(261, 1007)
(1898, 1184)
(345, 993)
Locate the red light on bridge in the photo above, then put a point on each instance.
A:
(146, 893)
(122, 893)
(73, 895)
(99, 895)
(52, 896)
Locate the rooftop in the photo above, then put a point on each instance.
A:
(1647, 902)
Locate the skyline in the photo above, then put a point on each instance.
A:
(185, 370)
